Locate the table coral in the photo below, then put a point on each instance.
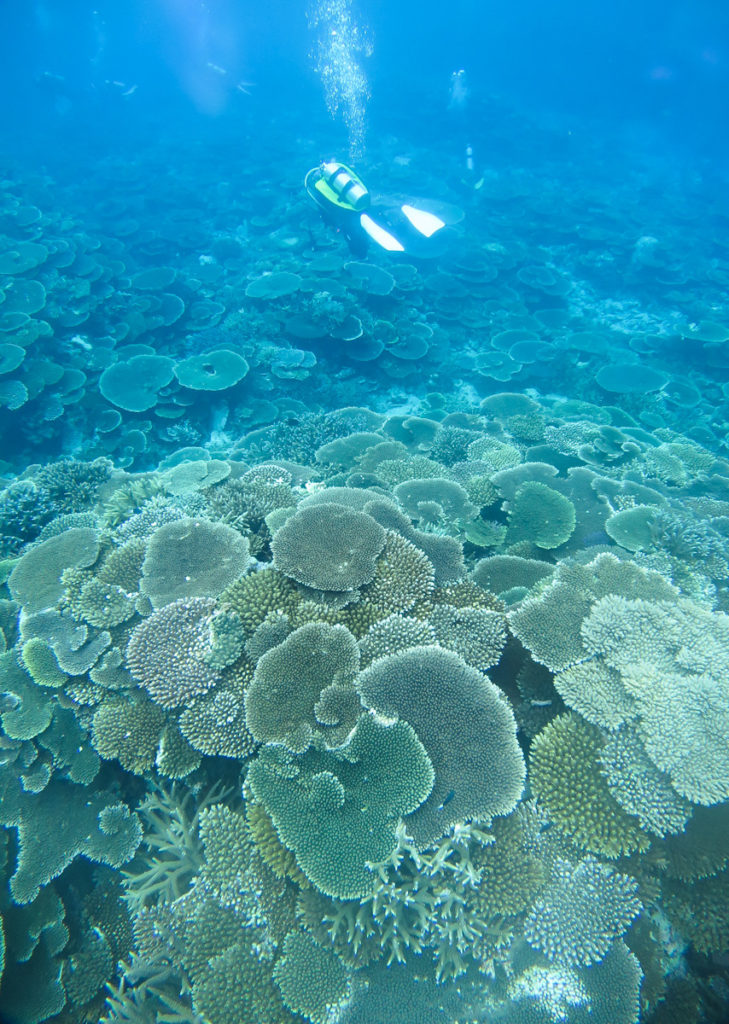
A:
(328, 547)
(549, 625)
(582, 910)
(129, 731)
(166, 652)
(466, 726)
(444, 553)
(313, 980)
(403, 577)
(565, 776)
(394, 634)
(540, 514)
(476, 634)
(670, 662)
(290, 680)
(215, 724)
(338, 810)
(192, 558)
(35, 582)
(258, 595)
(63, 822)
(640, 787)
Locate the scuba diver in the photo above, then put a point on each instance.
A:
(459, 95)
(394, 226)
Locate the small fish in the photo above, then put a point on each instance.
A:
(216, 68)
(447, 800)
(122, 88)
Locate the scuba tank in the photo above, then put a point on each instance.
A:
(348, 187)
(335, 183)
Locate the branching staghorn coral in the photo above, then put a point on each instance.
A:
(147, 993)
(174, 850)
(423, 904)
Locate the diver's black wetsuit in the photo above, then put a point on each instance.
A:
(347, 224)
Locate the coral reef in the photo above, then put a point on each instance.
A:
(362, 715)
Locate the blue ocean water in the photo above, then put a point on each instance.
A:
(364, 512)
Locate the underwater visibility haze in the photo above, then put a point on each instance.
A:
(364, 512)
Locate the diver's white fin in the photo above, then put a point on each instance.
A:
(378, 234)
(426, 223)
